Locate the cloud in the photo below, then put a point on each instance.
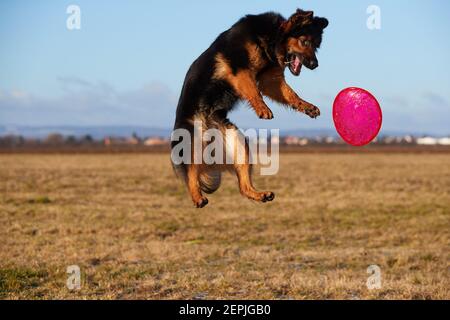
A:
(397, 101)
(433, 113)
(87, 103)
(70, 81)
(425, 113)
(435, 100)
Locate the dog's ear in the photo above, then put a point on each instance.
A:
(306, 14)
(298, 19)
(322, 23)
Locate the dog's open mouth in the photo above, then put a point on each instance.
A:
(295, 63)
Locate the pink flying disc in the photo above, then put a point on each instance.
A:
(357, 116)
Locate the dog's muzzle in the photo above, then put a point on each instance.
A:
(311, 64)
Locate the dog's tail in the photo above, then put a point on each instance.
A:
(210, 181)
(210, 176)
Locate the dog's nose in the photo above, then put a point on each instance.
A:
(313, 64)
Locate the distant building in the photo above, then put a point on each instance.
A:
(275, 140)
(155, 141)
(291, 140)
(54, 139)
(119, 141)
(329, 140)
(408, 139)
(444, 141)
(389, 140)
(427, 141)
(303, 141)
(397, 140)
(295, 141)
(134, 140)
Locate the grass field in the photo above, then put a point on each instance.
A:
(130, 226)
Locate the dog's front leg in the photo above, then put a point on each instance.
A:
(244, 84)
(273, 85)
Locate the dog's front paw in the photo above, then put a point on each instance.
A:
(312, 111)
(265, 113)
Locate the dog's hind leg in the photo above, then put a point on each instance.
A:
(193, 183)
(243, 169)
(243, 172)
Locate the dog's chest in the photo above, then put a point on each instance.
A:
(256, 57)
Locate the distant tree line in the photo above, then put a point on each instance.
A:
(60, 140)
(54, 139)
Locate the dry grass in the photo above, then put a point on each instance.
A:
(131, 228)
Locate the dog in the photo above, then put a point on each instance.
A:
(244, 63)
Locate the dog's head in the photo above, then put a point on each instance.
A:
(301, 36)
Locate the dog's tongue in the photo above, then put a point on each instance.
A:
(296, 64)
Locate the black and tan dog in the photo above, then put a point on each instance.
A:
(246, 63)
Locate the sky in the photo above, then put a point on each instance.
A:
(127, 63)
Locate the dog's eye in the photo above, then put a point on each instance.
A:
(306, 43)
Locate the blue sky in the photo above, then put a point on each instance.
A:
(127, 64)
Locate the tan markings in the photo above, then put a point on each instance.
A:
(272, 84)
(257, 62)
(222, 68)
(292, 45)
(193, 174)
(244, 172)
(281, 56)
(244, 83)
(264, 47)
